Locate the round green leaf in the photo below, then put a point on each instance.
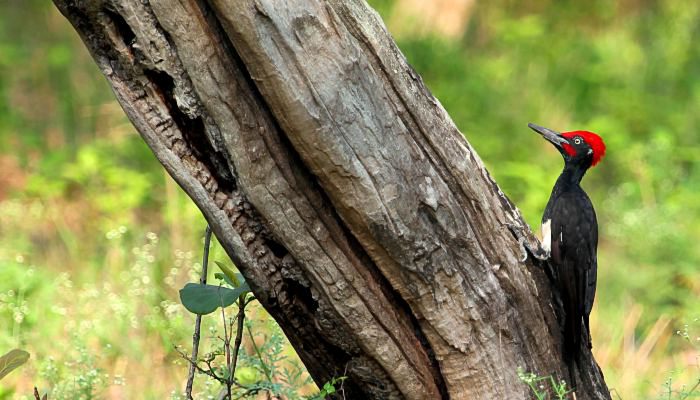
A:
(204, 299)
(246, 375)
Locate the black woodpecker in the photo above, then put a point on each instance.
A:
(570, 234)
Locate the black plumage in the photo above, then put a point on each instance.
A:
(570, 222)
(574, 242)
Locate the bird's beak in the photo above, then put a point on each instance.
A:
(552, 136)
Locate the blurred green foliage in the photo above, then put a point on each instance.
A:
(74, 174)
(626, 70)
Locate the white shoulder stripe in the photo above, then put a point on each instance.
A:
(547, 236)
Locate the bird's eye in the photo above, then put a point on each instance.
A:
(577, 140)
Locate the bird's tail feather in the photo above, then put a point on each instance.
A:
(572, 342)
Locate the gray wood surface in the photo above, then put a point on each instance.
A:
(366, 224)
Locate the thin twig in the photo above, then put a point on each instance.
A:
(692, 389)
(198, 320)
(226, 340)
(345, 375)
(240, 319)
(268, 374)
(227, 350)
(201, 370)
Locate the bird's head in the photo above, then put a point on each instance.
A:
(577, 147)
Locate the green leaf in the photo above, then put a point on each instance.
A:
(247, 375)
(328, 388)
(235, 277)
(12, 360)
(241, 280)
(225, 278)
(204, 299)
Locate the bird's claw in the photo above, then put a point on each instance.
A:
(540, 253)
(526, 245)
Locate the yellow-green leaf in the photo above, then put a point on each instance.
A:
(230, 273)
(12, 360)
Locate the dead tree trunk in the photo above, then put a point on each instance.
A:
(365, 223)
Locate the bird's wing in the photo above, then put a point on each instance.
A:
(574, 242)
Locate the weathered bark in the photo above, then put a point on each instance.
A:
(365, 223)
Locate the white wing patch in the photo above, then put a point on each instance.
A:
(547, 236)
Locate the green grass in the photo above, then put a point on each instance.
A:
(110, 330)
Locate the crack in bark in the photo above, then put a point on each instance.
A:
(193, 130)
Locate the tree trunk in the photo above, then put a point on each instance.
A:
(365, 223)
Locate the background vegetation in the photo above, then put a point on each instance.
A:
(95, 239)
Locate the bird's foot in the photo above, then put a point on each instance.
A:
(528, 243)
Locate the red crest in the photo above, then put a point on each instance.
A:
(593, 140)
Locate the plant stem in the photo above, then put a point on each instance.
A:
(692, 389)
(227, 350)
(257, 351)
(240, 319)
(198, 319)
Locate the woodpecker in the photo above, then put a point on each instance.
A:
(570, 234)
